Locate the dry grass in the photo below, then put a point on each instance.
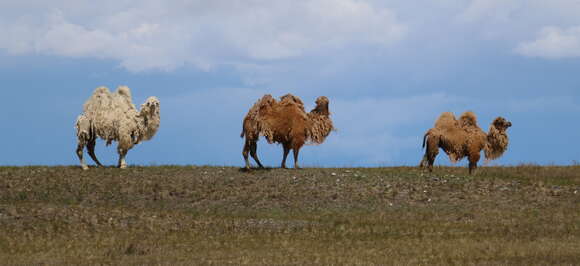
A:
(220, 215)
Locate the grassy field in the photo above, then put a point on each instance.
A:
(178, 215)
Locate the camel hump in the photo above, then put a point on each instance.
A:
(101, 90)
(101, 98)
(265, 103)
(468, 119)
(124, 91)
(291, 99)
(446, 120)
(267, 100)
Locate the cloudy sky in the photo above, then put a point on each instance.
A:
(389, 69)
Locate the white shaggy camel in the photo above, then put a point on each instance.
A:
(113, 117)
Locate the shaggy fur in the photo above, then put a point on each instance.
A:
(497, 139)
(113, 117)
(463, 138)
(285, 122)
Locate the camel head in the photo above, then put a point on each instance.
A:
(321, 106)
(150, 107)
(497, 138)
(320, 122)
(501, 124)
(150, 114)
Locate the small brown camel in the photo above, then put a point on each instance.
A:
(287, 123)
(463, 138)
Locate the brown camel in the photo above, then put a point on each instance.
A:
(463, 138)
(287, 123)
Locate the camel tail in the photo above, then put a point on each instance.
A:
(243, 133)
(424, 139)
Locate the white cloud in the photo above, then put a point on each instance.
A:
(158, 34)
(553, 42)
(513, 21)
(155, 34)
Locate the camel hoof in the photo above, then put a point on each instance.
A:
(84, 167)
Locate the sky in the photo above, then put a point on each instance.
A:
(389, 69)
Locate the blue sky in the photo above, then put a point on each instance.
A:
(389, 69)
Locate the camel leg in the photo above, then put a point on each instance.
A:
(430, 154)
(91, 150)
(123, 147)
(83, 127)
(286, 151)
(246, 153)
(473, 159)
(122, 163)
(254, 153)
(423, 162)
(80, 148)
(296, 150)
(431, 160)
